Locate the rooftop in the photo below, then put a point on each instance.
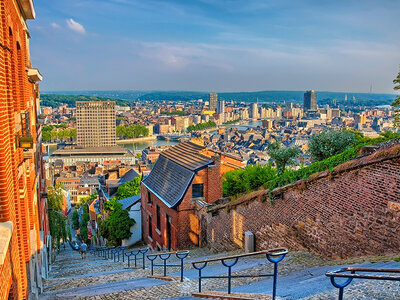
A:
(114, 150)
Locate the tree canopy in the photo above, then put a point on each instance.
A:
(57, 221)
(131, 131)
(396, 102)
(116, 227)
(202, 126)
(282, 156)
(329, 143)
(129, 189)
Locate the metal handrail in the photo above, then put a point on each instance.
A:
(273, 255)
(352, 275)
(135, 253)
(181, 255)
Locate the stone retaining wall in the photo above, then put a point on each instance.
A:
(352, 211)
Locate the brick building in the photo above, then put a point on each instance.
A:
(184, 176)
(23, 219)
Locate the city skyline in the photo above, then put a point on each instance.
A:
(204, 46)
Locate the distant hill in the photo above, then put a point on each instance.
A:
(55, 100)
(323, 97)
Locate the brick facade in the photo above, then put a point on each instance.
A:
(185, 230)
(19, 169)
(352, 211)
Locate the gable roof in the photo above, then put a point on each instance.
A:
(168, 181)
(128, 202)
(187, 155)
(174, 171)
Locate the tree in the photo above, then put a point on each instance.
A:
(396, 102)
(129, 189)
(282, 156)
(83, 234)
(75, 220)
(116, 227)
(329, 143)
(57, 221)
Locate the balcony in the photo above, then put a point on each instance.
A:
(28, 153)
(34, 75)
(25, 141)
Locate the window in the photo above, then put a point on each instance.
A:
(148, 197)
(150, 228)
(158, 217)
(197, 190)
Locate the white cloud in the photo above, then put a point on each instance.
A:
(75, 26)
(55, 25)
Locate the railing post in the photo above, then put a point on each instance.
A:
(181, 269)
(199, 280)
(275, 279)
(229, 279)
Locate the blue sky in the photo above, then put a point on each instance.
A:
(217, 45)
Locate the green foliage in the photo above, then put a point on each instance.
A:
(246, 180)
(291, 176)
(60, 132)
(232, 121)
(116, 227)
(83, 235)
(202, 126)
(239, 181)
(129, 189)
(396, 102)
(174, 113)
(282, 156)
(329, 143)
(55, 100)
(57, 221)
(83, 201)
(131, 131)
(75, 220)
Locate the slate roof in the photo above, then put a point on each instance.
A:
(128, 176)
(128, 202)
(174, 171)
(187, 155)
(168, 181)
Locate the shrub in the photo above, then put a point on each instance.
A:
(246, 180)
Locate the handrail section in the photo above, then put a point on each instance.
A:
(352, 275)
(274, 256)
(135, 253)
(164, 256)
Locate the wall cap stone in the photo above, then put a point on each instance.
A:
(6, 229)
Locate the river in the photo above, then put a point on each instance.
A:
(140, 145)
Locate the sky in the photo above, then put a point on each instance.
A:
(216, 45)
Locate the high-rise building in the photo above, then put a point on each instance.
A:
(212, 100)
(24, 231)
(221, 107)
(95, 123)
(253, 111)
(310, 100)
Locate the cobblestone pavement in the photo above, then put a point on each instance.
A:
(97, 278)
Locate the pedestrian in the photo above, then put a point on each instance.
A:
(83, 249)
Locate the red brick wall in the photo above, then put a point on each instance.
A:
(184, 225)
(352, 213)
(17, 176)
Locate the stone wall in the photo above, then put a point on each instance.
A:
(352, 211)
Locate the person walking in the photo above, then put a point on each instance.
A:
(83, 250)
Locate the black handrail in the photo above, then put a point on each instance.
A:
(135, 253)
(340, 273)
(274, 256)
(181, 255)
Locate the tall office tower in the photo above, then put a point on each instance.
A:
(95, 123)
(221, 107)
(24, 232)
(253, 111)
(213, 99)
(310, 100)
